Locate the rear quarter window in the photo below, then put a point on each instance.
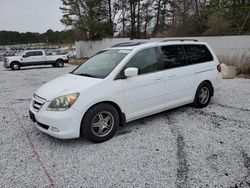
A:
(198, 54)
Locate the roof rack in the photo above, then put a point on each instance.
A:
(124, 44)
(182, 40)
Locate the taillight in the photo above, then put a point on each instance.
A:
(219, 68)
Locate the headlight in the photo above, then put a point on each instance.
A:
(63, 103)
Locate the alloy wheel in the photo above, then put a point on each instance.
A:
(204, 95)
(102, 124)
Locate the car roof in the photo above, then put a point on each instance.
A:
(144, 44)
(33, 50)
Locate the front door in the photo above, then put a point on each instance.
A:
(33, 58)
(144, 93)
(28, 58)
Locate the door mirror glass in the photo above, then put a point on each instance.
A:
(132, 71)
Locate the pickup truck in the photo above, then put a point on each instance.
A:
(34, 57)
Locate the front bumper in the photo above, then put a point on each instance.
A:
(6, 64)
(62, 124)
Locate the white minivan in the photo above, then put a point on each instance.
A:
(123, 83)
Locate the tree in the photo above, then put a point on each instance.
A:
(51, 37)
(95, 19)
(239, 15)
(132, 6)
(147, 14)
(217, 25)
(87, 16)
(235, 13)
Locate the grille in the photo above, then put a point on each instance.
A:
(5, 62)
(38, 102)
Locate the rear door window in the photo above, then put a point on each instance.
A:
(172, 56)
(198, 54)
(38, 53)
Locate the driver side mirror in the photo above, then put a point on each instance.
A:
(25, 56)
(131, 71)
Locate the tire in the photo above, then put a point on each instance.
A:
(53, 65)
(100, 123)
(15, 66)
(203, 95)
(59, 63)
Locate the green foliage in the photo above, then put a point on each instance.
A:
(218, 25)
(228, 17)
(52, 37)
(90, 16)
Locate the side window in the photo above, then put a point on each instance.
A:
(145, 60)
(172, 56)
(34, 53)
(28, 54)
(38, 53)
(198, 54)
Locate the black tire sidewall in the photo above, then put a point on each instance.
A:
(87, 120)
(14, 63)
(58, 63)
(197, 103)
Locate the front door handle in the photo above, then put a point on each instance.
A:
(171, 75)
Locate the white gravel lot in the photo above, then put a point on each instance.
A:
(184, 147)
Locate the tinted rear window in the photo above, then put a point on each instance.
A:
(197, 54)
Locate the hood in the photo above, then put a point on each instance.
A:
(13, 57)
(66, 84)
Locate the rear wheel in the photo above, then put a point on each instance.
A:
(203, 95)
(59, 63)
(100, 123)
(15, 66)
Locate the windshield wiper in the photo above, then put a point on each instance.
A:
(84, 74)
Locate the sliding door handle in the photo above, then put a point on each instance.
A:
(157, 78)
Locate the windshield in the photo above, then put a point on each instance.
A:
(101, 64)
(18, 53)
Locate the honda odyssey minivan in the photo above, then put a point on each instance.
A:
(123, 83)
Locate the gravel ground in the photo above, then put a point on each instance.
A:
(184, 147)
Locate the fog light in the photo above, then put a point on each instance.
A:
(54, 129)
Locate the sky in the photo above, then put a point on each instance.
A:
(30, 15)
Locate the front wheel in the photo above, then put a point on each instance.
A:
(100, 123)
(15, 66)
(203, 95)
